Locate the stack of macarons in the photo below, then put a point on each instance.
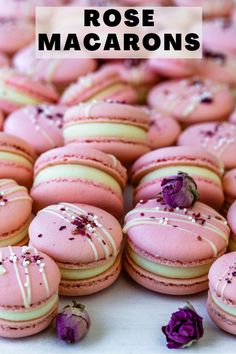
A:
(75, 132)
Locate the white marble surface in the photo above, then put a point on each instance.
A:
(126, 319)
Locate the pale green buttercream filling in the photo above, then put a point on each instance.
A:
(9, 156)
(27, 314)
(169, 271)
(226, 308)
(16, 97)
(77, 171)
(173, 170)
(19, 236)
(79, 274)
(102, 129)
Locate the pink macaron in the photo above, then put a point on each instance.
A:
(171, 250)
(29, 291)
(40, 125)
(211, 9)
(149, 170)
(173, 68)
(229, 185)
(15, 34)
(60, 72)
(16, 159)
(232, 117)
(117, 129)
(222, 294)
(15, 213)
(163, 130)
(220, 33)
(217, 138)
(78, 175)
(193, 100)
(18, 90)
(85, 243)
(231, 217)
(104, 84)
(217, 66)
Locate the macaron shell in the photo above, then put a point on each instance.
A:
(211, 9)
(229, 184)
(8, 280)
(163, 130)
(77, 191)
(217, 138)
(192, 101)
(231, 217)
(40, 126)
(165, 285)
(16, 208)
(59, 240)
(91, 285)
(173, 68)
(22, 329)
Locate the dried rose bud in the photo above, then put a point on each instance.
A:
(179, 191)
(184, 328)
(72, 323)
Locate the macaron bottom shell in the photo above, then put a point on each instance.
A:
(223, 320)
(164, 285)
(91, 285)
(25, 328)
(17, 237)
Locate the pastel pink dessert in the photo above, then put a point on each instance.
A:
(217, 138)
(29, 291)
(40, 125)
(18, 90)
(85, 243)
(220, 33)
(229, 185)
(15, 213)
(163, 130)
(136, 73)
(171, 250)
(232, 223)
(149, 170)
(118, 129)
(232, 117)
(4, 61)
(211, 9)
(16, 159)
(217, 66)
(173, 68)
(15, 34)
(104, 84)
(222, 293)
(77, 175)
(60, 72)
(192, 100)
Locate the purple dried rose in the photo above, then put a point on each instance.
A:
(184, 328)
(72, 323)
(179, 191)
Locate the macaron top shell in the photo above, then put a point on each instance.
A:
(222, 278)
(19, 81)
(15, 206)
(40, 125)
(25, 265)
(177, 155)
(217, 138)
(229, 183)
(87, 87)
(191, 235)
(11, 143)
(84, 156)
(231, 217)
(76, 233)
(192, 100)
(108, 112)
